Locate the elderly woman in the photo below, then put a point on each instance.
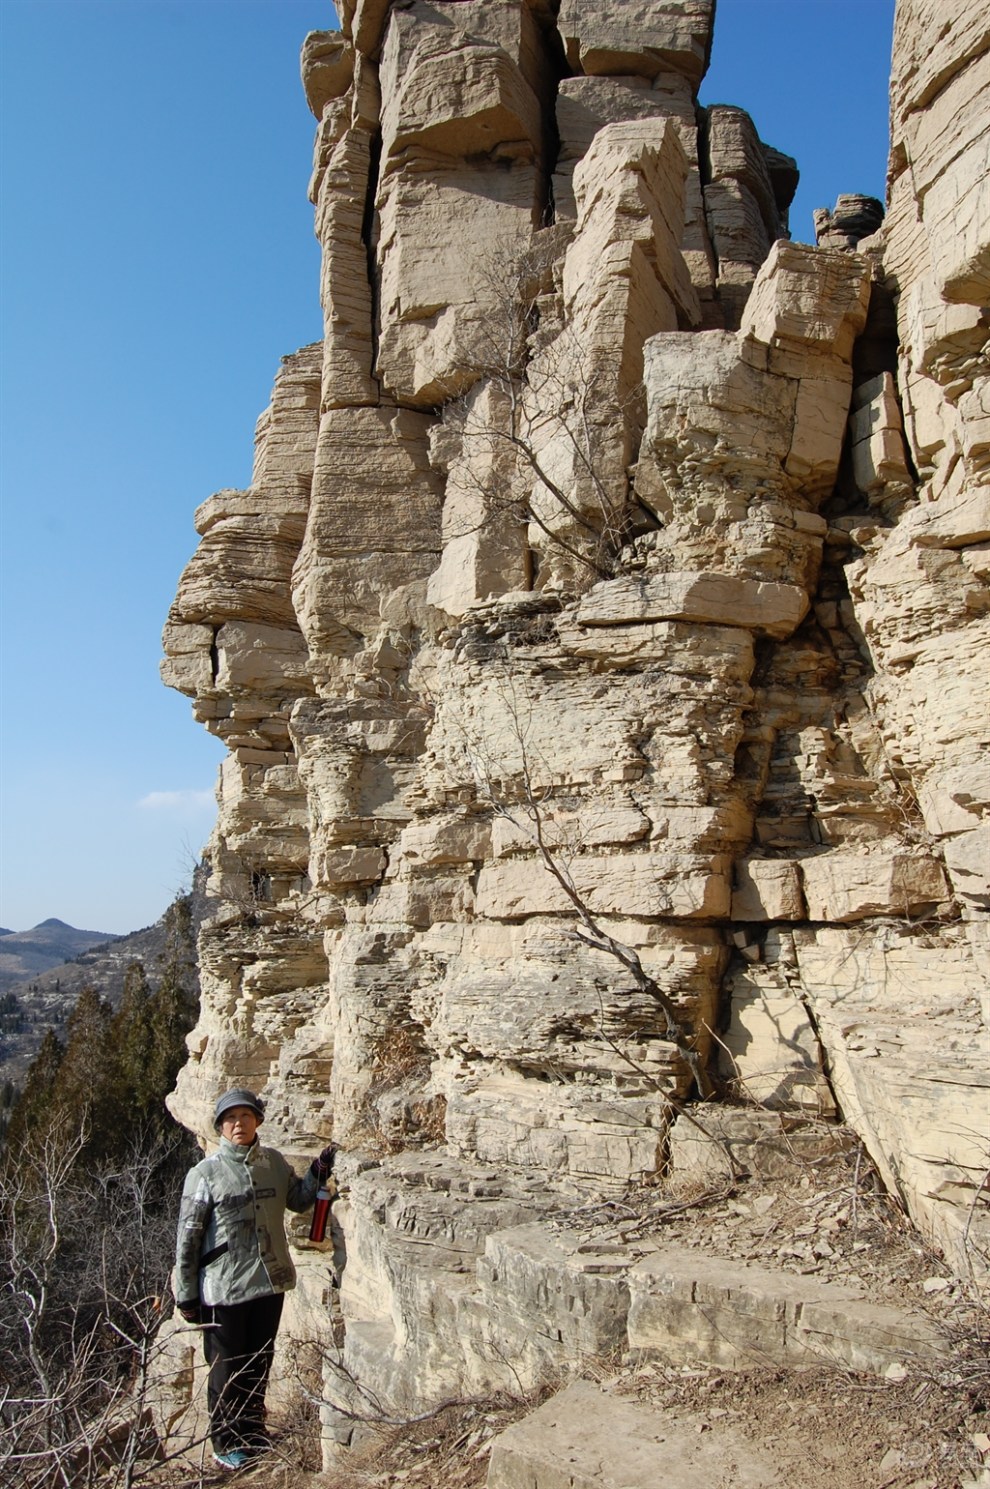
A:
(233, 1268)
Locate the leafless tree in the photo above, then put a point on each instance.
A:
(84, 1261)
(546, 431)
(530, 812)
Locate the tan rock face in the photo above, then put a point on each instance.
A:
(745, 205)
(461, 130)
(633, 38)
(606, 618)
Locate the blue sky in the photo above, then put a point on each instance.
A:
(157, 260)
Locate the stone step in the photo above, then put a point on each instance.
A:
(586, 1437)
(685, 1309)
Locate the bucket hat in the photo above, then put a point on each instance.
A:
(239, 1096)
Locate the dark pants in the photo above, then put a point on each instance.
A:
(239, 1351)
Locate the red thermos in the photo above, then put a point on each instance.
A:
(321, 1214)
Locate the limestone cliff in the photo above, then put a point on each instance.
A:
(614, 568)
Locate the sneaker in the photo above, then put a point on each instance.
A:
(233, 1460)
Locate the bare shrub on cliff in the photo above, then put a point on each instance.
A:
(547, 448)
(516, 791)
(400, 1064)
(85, 1253)
(448, 1442)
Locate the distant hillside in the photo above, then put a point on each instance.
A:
(25, 954)
(30, 1005)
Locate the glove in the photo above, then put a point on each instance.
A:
(191, 1312)
(320, 1167)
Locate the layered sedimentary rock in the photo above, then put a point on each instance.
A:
(600, 652)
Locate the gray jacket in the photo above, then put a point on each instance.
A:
(231, 1243)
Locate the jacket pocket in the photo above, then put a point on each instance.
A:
(214, 1254)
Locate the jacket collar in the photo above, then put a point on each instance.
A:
(237, 1154)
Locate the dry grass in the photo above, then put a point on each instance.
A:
(449, 1449)
(401, 1066)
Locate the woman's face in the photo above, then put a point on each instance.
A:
(240, 1125)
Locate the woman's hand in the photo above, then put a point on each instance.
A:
(322, 1166)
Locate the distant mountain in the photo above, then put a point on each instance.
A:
(29, 1005)
(28, 953)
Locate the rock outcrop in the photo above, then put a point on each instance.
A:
(600, 653)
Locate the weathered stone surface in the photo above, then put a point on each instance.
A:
(467, 104)
(343, 161)
(840, 887)
(633, 38)
(763, 409)
(440, 301)
(561, 1446)
(327, 67)
(767, 609)
(741, 204)
(644, 884)
(967, 857)
(460, 136)
(683, 1309)
(686, 651)
(852, 219)
(629, 189)
(266, 1001)
(770, 1053)
(768, 1145)
(538, 1045)
(767, 889)
(879, 459)
(485, 552)
(808, 300)
(357, 545)
(236, 581)
(363, 22)
(931, 687)
(586, 104)
(938, 111)
(903, 1026)
(623, 278)
(506, 1121)
(458, 841)
(416, 1231)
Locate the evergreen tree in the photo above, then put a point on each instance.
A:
(88, 1081)
(175, 1004)
(114, 1071)
(133, 1042)
(32, 1110)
